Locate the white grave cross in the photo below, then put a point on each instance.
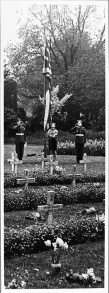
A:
(51, 164)
(26, 179)
(73, 176)
(50, 207)
(43, 160)
(84, 162)
(14, 162)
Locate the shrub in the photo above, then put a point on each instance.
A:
(28, 200)
(92, 148)
(43, 178)
(31, 239)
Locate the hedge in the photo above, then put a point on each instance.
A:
(43, 178)
(31, 239)
(29, 200)
(92, 148)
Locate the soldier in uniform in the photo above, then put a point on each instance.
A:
(80, 139)
(52, 134)
(20, 139)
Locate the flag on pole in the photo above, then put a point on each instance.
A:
(47, 73)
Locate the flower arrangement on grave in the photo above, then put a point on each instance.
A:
(58, 247)
(100, 218)
(15, 285)
(87, 277)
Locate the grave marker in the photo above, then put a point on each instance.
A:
(26, 180)
(84, 162)
(14, 162)
(42, 159)
(51, 164)
(50, 207)
(73, 176)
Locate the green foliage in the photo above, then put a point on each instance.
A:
(78, 64)
(10, 89)
(43, 178)
(10, 118)
(21, 114)
(31, 239)
(29, 200)
(92, 148)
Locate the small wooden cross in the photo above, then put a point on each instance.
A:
(42, 159)
(50, 207)
(25, 180)
(73, 176)
(84, 161)
(51, 164)
(14, 162)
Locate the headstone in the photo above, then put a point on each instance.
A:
(49, 208)
(84, 162)
(26, 179)
(14, 162)
(52, 164)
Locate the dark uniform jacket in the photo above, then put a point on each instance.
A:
(20, 133)
(80, 134)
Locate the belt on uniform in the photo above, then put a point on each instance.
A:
(79, 134)
(19, 133)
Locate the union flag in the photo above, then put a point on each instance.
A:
(47, 84)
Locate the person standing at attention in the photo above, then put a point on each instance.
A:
(80, 139)
(20, 139)
(52, 134)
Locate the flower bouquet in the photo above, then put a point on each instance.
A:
(58, 247)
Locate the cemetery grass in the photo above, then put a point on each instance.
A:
(35, 269)
(97, 164)
(17, 219)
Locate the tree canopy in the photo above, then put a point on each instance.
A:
(77, 62)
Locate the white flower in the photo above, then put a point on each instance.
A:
(48, 243)
(85, 277)
(89, 271)
(23, 283)
(100, 218)
(55, 246)
(13, 281)
(57, 168)
(65, 245)
(60, 242)
(96, 217)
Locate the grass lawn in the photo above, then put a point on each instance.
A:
(17, 219)
(35, 269)
(96, 165)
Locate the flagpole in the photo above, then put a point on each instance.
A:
(47, 86)
(45, 130)
(51, 78)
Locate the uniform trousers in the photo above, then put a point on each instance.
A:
(79, 151)
(52, 146)
(20, 149)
